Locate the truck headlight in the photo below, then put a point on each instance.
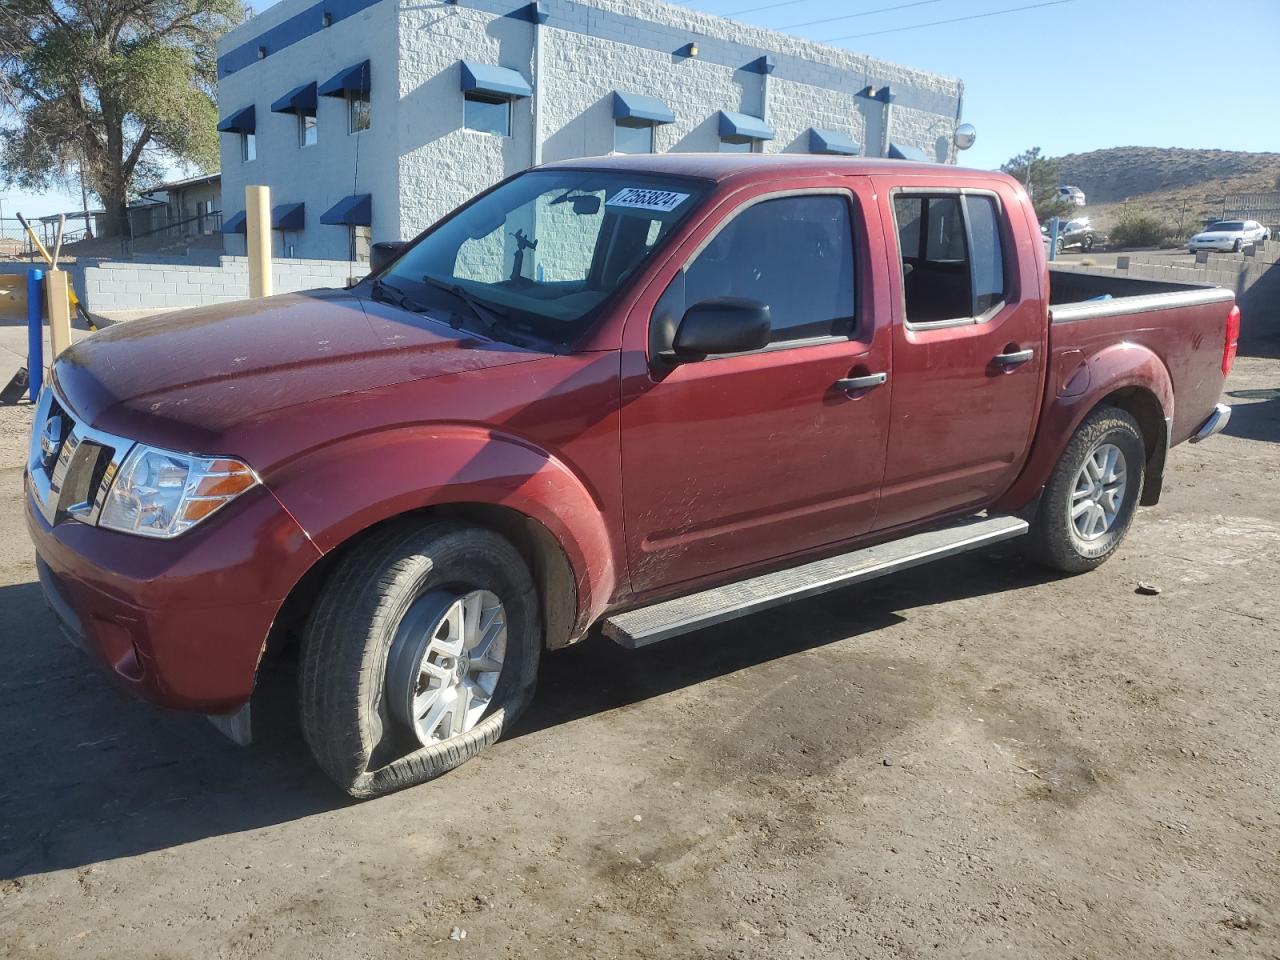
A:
(158, 493)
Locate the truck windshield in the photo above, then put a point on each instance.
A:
(535, 258)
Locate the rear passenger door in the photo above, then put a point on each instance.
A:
(969, 346)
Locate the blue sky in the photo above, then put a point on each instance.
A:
(1067, 77)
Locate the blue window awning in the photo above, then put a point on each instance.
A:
(242, 121)
(351, 80)
(353, 211)
(898, 151)
(300, 100)
(287, 216)
(745, 126)
(832, 141)
(234, 223)
(499, 81)
(641, 108)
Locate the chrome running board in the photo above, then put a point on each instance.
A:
(671, 618)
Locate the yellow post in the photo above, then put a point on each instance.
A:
(59, 309)
(257, 231)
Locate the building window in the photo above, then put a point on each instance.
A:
(741, 145)
(361, 240)
(358, 115)
(248, 147)
(306, 130)
(487, 113)
(633, 138)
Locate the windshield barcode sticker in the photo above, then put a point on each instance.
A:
(641, 199)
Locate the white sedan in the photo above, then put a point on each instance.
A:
(1228, 235)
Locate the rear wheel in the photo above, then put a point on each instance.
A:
(1089, 501)
(422, 651)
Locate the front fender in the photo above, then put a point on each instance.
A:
(1075, 387)
(342, 489)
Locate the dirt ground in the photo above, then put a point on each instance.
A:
(968, 760)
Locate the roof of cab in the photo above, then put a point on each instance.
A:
(723, 166)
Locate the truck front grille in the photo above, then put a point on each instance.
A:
(70, 465)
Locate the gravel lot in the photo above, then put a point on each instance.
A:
(970, 759)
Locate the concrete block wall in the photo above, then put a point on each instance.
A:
(1254, 277)
(439, 163)
(114, 285)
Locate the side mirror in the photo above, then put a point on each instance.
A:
(383, 252)
(720, 325)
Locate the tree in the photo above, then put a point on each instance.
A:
(111, 90)
(1039, 174)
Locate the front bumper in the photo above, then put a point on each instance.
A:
(183, 622)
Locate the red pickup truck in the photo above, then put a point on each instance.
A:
(646, 393)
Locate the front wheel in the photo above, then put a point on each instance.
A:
(422, 650)
(1089, 501)
(1235, 247)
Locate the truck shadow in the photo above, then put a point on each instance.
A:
(95, 776)
(1258, 420)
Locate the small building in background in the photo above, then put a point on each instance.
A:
(179, 208)
(371, 119)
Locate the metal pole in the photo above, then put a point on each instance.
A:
(84, 203)
(1054, 223)
(35, 333)
(537, 88)
(257, 231)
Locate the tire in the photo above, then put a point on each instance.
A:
(1235, 247)
(1060, 247)
(1088, 244)
(369, 611)
(1055, 539)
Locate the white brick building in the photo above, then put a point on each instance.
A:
(373, 116)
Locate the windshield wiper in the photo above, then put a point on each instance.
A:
(490, 317)
(395, 296)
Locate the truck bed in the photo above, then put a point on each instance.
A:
(1070, 286)
(1182, 324)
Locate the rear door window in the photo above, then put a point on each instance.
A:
(953, 259)
(794, 254)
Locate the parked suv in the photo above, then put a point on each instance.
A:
(1078, 234)
(1073, 195)
(644, 394)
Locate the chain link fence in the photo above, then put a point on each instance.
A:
(14, 242)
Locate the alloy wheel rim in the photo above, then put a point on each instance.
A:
(1098, 492)
(445, 663)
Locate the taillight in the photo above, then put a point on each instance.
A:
(1233, 338)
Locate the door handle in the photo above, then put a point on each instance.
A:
(1014, 357)
(862, 383)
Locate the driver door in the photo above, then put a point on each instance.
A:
(740, 460)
